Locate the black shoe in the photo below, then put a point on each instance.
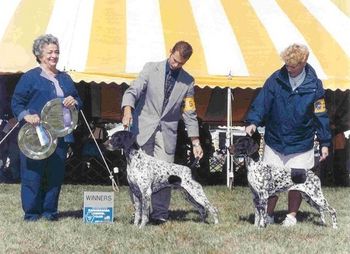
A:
(158, 221)
(32, 217)
(50, 217)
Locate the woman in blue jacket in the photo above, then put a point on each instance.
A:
(292, 108)
(41, 180)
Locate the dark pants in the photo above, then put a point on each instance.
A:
(41, 183)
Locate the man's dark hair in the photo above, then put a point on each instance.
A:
(184, 48)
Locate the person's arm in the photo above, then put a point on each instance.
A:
(190, 119)
(133, 94)
(321, 120)
(259, 108)
(20, 100)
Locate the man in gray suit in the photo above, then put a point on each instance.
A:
(153, 105)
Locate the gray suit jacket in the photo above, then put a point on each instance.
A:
(146, 95)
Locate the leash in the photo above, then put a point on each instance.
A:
(195, 163)
(114, 184)
(8, 133)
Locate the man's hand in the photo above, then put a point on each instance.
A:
(197, 149)
(127, 117)
(324, 153)
(250, 129)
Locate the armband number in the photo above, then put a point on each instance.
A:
(189, 104)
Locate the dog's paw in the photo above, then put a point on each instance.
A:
(216, 220)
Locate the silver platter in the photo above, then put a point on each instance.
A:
(61, 119)
(29, 143)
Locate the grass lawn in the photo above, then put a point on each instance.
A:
(182, 234)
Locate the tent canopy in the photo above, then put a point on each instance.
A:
(109, 41)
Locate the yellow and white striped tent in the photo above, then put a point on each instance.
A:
(110, 40)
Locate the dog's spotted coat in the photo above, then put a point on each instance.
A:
(147, 175)
(267, 180)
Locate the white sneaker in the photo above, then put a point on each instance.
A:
(270, 219)
(289, 221)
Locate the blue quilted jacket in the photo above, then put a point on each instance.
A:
(291, 118)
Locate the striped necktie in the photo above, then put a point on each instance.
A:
(168, 88)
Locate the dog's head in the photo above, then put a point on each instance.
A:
(121, 140)
(245, 146)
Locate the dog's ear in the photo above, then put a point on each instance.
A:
(256, 137)
(253, 148)
(129, 139)
(252, 145)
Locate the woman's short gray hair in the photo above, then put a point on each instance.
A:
(40, 42)
(295, 54)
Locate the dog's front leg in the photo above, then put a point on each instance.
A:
(263, 214)
(256, 217)
(257, 213)
(137, 206)
(262, 211)
(146, 203)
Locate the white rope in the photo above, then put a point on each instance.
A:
(9, 132)
(114, 184)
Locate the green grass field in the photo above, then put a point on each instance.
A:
(184, 233)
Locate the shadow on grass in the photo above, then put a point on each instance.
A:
(71, 214)
(281, 215)
(181, 215)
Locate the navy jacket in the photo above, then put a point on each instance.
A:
(33, 91)
(291, 118)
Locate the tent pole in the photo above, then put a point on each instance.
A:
(229, 168)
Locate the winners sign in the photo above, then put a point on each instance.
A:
(98, 207)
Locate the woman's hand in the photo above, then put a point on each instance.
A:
(70, 102)
(250, 129)
(32, 119)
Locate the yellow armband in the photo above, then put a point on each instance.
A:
(189, 104)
